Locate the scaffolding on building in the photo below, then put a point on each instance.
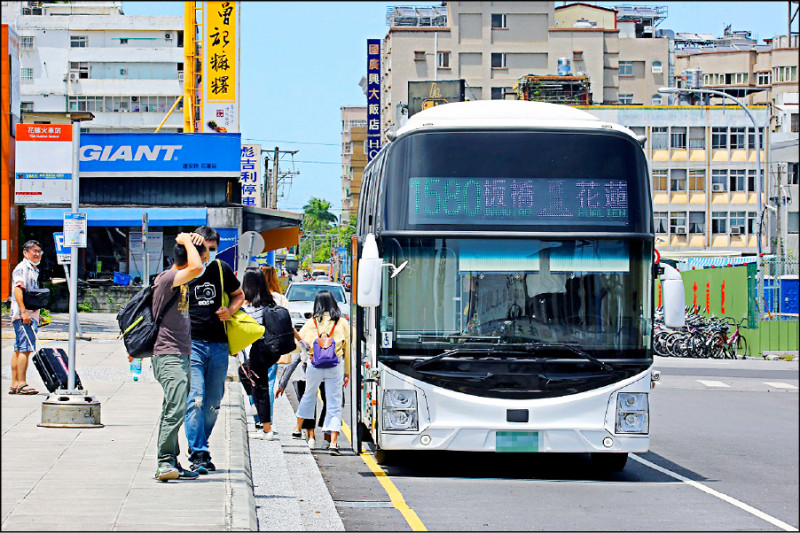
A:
(416, 16)
(571, 90)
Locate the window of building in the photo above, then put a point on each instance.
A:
(751, 180)
(793, 222)
(660, 221)
(26, 75)
(752, 222)
(657, 67)
(626, 68)
(26, 107)
(719, 180)
(678, 138)
(737, 180)
(656, 99)
(659, 180)
(123, 72)
(79, 69)
(577, 55)
(626, 99)
(737, 221)
(26, 42)
(719, 138)
(697, 222)
(498, 92)
(719, 222)
(499, 21)
(78, 41)
(737, 138)
(794, 119)
(677, 223)
(764, 78)
(498, 60)
(751, 138)
(697, 180)
(794, 173)
(443, 59)
(697, 138)
(784, 74)
(123, 41)
(736, 78)
(659, 136)
(677, 180)
(419, 55)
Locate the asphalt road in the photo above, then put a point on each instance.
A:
(726, 457)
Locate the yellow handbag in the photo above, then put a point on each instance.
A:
(241, 328)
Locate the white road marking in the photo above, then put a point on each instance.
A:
(779, 385)
(724, 497)
(713, 383)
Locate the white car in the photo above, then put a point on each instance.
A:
(301, 296)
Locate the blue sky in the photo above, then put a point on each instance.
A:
(302, 61)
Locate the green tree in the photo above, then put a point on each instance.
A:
(318, 221)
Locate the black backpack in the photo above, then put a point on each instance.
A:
(277, 340)
(137, 327)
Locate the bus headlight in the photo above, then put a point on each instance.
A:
(632, 413)
(400, 410)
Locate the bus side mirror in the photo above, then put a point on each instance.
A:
(369, 274)
(674, 297)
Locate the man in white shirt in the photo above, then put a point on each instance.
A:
(24, 277)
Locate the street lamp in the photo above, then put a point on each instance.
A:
(677, 90)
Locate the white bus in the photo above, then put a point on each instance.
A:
(504, 296)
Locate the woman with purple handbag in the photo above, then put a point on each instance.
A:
(328, 334)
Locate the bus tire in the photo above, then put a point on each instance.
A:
(609, 462)
(383, 457)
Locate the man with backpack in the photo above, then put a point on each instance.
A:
(209, 360)
(172, 348)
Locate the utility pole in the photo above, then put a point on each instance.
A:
(272, 190)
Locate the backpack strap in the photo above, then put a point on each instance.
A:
(335, 322)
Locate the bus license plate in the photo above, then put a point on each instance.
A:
(517, 441)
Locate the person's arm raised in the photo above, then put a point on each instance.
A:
(195, 264)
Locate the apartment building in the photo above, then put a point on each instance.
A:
(90, 56)
(735, 63)
(703, 166)
(354, 158)
(491, 45)
(784, 172)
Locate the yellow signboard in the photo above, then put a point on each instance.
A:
(219, 69)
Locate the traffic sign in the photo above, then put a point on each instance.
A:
(75, 227)
(62, 252)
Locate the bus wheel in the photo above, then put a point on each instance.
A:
(609, 462)
(383, 457)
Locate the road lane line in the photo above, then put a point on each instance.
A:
(713, 383)
(394, 493)
(779, 385)
(724, 497)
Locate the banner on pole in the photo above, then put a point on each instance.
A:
(373, 98)
(220, 67)
(250, 178)
(43, 168)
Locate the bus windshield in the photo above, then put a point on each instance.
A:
(496, 293)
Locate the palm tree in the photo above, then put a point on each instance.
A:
(318, 216)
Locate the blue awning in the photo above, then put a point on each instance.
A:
(120, 216)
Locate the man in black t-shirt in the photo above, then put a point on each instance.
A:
(209, 365)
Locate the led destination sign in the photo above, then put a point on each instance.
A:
(518, 201)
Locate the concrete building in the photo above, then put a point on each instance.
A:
(491, 45)
(354, 158)
(735, 63)
(784, 172)
(89, 56)
(703, 166)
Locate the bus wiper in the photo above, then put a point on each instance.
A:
(455, 352)
(574, 349)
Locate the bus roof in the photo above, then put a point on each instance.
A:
(506, 114)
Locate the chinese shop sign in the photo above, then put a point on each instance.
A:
(250, 177)
(220, 67)
(373, 98)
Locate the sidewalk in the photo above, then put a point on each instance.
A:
(102, 478)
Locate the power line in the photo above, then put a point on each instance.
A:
(291, 142)
(321, 162)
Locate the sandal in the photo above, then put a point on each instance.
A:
(13, 390)
(26, 389)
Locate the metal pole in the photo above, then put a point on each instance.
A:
(73, 278)
(436, 56)
(69, 288)
(274, 199)
(145, 220)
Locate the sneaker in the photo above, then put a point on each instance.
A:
(259, 425)
(198, 466)
(334, 450)
(187, 474)
(165, 473)
(297, 435)
(264, 435)
(206, 462)
(311, 444)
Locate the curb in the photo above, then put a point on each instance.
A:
(241, 508)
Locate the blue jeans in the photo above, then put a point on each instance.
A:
(271, 374)
(207, 385)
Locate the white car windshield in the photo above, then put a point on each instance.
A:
(307, 293)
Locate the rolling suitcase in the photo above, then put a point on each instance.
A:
(53, 367)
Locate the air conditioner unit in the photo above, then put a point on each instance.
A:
(717, 187)
(168, 36)
(680, 230)
(736, 230)
(73, 76)
(134, 98)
